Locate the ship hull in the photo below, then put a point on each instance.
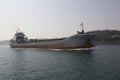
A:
(73, 42)
(54, 46)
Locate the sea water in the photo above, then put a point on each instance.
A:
(100, 63)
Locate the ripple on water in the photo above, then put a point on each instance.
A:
(99, 63)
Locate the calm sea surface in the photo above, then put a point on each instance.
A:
(101, 63)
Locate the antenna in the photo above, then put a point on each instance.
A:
(18, 27)
(18, 30)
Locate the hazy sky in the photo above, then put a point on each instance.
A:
(56, 18)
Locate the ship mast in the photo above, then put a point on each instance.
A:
(18, 30)
(82, 27)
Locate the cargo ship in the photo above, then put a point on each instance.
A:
(76, 41)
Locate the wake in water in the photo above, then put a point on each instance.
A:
(93, 48)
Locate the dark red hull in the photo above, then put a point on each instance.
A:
(53, 46)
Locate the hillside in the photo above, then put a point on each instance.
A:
(6, 42)
(107, 36)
